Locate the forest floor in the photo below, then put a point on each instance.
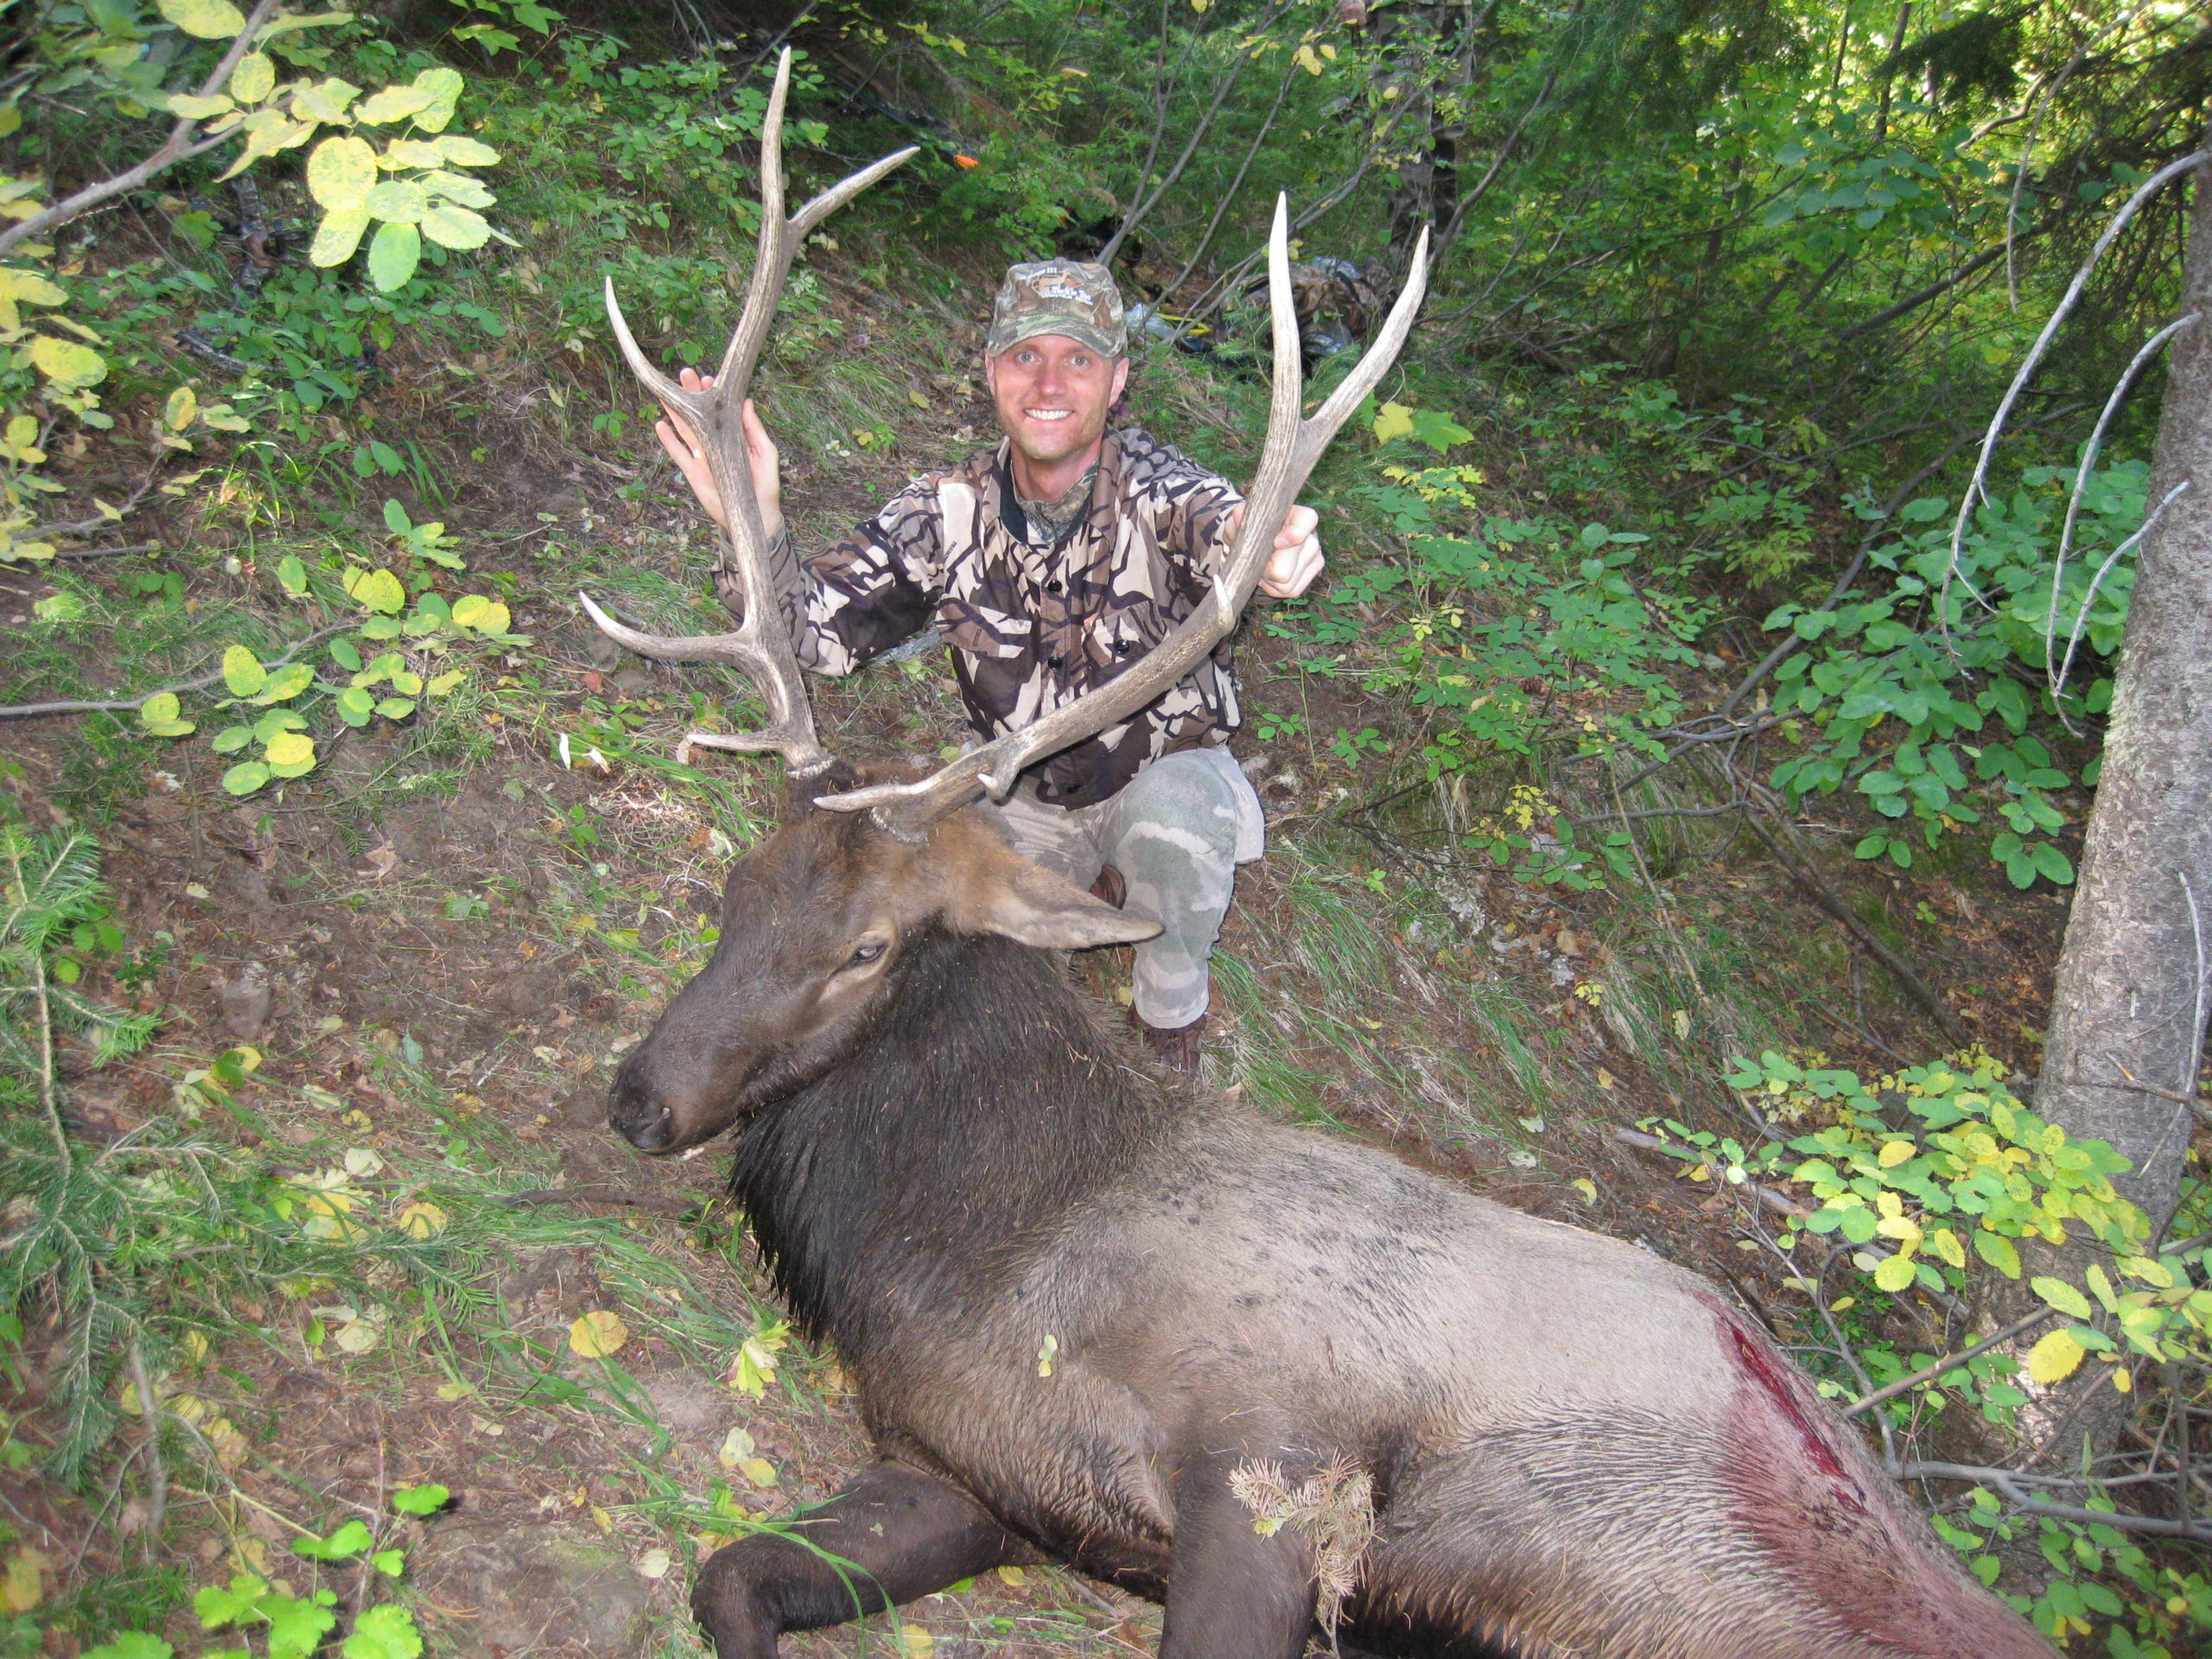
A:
(442, 940)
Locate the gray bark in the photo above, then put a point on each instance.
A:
(2128, 1009)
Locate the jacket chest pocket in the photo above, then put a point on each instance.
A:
(1119, 638)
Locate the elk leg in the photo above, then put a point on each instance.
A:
(1232, 1594)
(895, 1533)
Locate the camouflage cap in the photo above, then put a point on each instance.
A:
(1059, 296)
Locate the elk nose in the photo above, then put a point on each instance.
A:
(634, 1113)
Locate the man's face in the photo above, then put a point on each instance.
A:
(1052, 394)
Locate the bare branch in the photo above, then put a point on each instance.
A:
(117, 705)
(180, 145)
(2007, 1483)
(1948, 1363)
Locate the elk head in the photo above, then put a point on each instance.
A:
(817, 920)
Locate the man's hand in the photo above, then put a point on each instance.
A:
(1297, 559)
(683, 448)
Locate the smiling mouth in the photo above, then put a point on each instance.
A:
(1049, 414)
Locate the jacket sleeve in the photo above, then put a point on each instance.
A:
(866, 593)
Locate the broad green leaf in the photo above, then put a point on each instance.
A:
(286, 683)
(231, 739)
(134, 1644)
(454, 227)
(483, 614)
(355, 705)
(192, 107)
(337, 236)
(395, 517)
(296, 1628)
(392, 103)
(385, 1631)
(2053, 1358)
(2060, 1295)
(59, 607)
(443, 86)
(396, 707)
(242, 672)
(275, 721)
(292, 575)
(1999, 1252)
(66, 363)
(348, 1540)
(254, 79)
(246, 777)
(347, 654)
(204, 20)
(445, 682)
(407, 682)
(396, 202)
(461, 150)
(380, 627)
(218, 1605)
(158, 715)
(426, 1499)
(392, 256)
(390, 1562)
(341, 171)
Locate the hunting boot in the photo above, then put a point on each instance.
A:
(1176, 1049)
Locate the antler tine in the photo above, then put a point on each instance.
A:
(761, 644)
(1287, 460)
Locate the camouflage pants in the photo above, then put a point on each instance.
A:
(1177, 832)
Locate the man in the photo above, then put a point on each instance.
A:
(1050, 564)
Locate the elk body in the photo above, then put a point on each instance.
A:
(1095, 1317)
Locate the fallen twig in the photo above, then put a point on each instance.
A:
(26, 710)
(600, 1194)
(1948, 1363)
(2007, 1483)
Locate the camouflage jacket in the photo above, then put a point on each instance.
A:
(1034, 628)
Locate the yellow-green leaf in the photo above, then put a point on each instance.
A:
(290, 754)
(2053, 1358)
(410, 152)
(192, 107)
(456, 188)
(325, 102)
(598, 1333)
(1999, 1252)
(461, 150)
(378, 589)
(759, 1471)
(454, 227)
(399, 201)
(1393, 421)
(445, 682)
(66, 363)
(341, 171)
(181, 409)
(2060, 1295)
(1895, 1273)
(158, 715)
(1894, 1153)
(254, 79)
(337, 236)
(394, 252)
(29, 285)
(443, 86)
(1947, 1246)
(204, 20)
(422, 1219)
(245, 777)
(242, 672)
(392, 103)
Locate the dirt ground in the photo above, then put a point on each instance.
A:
(439, 969)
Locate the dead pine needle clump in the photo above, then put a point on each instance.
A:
(1334, 1507)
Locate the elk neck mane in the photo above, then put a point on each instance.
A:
(923, 1169)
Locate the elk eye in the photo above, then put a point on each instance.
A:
(864, 955)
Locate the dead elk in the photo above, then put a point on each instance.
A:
(1097, 1319)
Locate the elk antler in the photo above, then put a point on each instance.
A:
(1287, 460)
(761, 646)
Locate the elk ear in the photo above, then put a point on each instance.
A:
(998, 891)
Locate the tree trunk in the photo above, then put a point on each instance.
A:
(2128, 1010)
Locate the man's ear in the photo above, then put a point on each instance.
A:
(998, 891)
(1121, 381)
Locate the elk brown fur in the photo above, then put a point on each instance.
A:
(1075, 1298)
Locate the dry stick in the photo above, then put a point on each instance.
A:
(658, 1206)
(1136, 213)
(2120, 388)
(2149, 188)
(2006, 1482)
(157, 1476)
(25, 711)
(1823, 895)
(107, 552)
(1236, 184)
(1948, 1363)
(179, 146)
(2089, 595)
